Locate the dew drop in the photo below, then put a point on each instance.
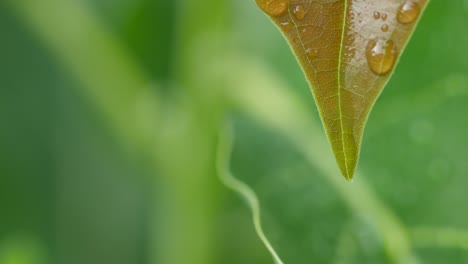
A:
(273, 7)
(384, 28)
(384, 17)
(311, 53)
(408, 12)
(376, 15)
(287, 25)
(381, 55)
(299, 12)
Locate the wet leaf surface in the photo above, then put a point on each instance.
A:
(347, 50)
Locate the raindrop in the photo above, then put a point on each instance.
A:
(273, 7)
(384, 27)
(287, 25)
(311, 53)
(381, 55)
(376, 15)
(408, 12)
(299, 12)
(384, 17)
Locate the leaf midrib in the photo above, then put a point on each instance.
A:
(343, 30)
(345, 14)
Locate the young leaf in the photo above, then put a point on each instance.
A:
(347, 50)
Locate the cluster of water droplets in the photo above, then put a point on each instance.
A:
(300, 11)
(279, 8)
(382, 54)
(384, 17)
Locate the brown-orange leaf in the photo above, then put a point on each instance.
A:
(347, 50)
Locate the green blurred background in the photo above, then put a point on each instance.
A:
(111, 111)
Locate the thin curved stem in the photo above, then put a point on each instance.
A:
(225, 144)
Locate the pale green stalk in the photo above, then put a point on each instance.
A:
(181, 150)
(444, 237)
(110, 78)
(224, 156)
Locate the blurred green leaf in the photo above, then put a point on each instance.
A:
(21, 250)
(77, 84)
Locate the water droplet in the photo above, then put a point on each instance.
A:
(381, 55)
(287, 25)
(384, 17)
(299, 12)
(384, 28)
(311, 53)
(273, 7)
(408, 12)
(376, 15)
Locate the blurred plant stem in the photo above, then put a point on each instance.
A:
(182, 141)
(110, 78)
(190, 153)
(225, 145)
(430, 237)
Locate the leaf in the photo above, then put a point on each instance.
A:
(347, 50)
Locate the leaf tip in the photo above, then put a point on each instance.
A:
(347, 169)
(347, 158)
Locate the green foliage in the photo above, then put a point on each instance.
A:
(109, 135)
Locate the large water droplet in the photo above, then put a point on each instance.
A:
(381, 55)
(408, 12)
(273, 7)
(299, 12)
(376, 15)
